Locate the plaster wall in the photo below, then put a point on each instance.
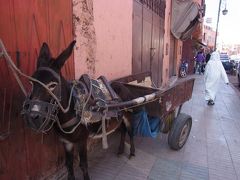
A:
(113, 24)
(85, 35)
(103, 30)
(209, 36)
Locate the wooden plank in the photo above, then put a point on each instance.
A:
(137, 38)
(172, 58)
(161, 52)
(135, 77)
(147, 38)
(155, 59)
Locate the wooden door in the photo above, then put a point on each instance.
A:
(25, 25)
(148, 35)
(146, 39)
(172, 58)
(157, 49)
(137, 37)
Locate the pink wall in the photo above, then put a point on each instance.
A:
(113, 25)
(103, 30)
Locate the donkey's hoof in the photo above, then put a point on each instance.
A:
(86, 177)
(119, 154)
(120, 151)
(71, 177)
(131, 155)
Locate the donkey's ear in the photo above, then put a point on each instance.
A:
(60, 60)
(44, 56)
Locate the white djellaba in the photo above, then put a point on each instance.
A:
(214, 72)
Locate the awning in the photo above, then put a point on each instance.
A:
(198, 32)
(201, 44)
(185, 17)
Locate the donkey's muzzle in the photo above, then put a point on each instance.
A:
(39, 115)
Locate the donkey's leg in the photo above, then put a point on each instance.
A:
(127, 122)
(83, 157)
(123, 134)
(68, 147)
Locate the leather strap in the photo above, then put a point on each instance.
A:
(70, 123)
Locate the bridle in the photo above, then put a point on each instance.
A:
(46, 112)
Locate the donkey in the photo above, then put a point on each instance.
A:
(42, 112)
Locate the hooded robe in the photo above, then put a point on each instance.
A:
(214, 72)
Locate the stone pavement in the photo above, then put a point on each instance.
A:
(212, 151)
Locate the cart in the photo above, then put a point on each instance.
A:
(165, 104)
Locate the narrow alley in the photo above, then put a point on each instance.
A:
(211, 152)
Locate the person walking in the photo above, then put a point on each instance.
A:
(200, 58)
(214, 72)
(208, 55)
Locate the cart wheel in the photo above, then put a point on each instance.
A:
(179, 132)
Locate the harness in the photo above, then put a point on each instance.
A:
(46, 112)
(81, 92)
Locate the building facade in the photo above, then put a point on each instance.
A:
(136, 41)
(195, 42)
(209, 36)
(114, 38)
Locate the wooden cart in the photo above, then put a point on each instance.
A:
(163, 103)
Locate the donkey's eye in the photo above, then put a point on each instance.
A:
(52, 86)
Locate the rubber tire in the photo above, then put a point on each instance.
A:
(176, 129)
(183, 73)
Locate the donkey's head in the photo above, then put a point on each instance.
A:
(40, 108)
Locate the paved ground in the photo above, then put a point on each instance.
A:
(234, 81)
(212, 151)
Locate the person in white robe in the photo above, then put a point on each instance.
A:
(214, 73)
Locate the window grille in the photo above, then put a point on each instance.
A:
(157, 6)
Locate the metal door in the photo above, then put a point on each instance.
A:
(148, 35)
(25, 25)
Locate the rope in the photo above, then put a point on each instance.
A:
(108, 133)
(104, 133)
(11, 65)
(82, 116)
